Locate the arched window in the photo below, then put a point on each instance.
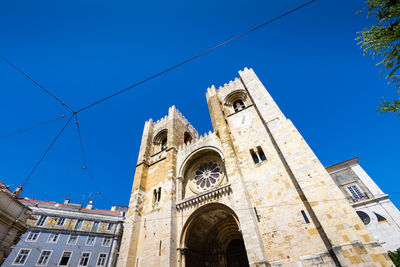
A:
(258, 155)
(364, 217)
(164, 144)
(156, 195)
(238, 105)
(159, 194)
(237, 100)
(187, 138)
(160, 141)
(380, 218)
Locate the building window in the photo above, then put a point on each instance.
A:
(65, 258)
(22, 256)
(164, 144)
(238, 105)
(84, 260)
(187, 138)
(160, 141)
(32, 236)
(106, 242)
(72, 239)
(261, 154)
(61, 221)
(90, 240)
(380, 218)
(254, 156)
(364, 217)
(305, 216)
(95, 226)
(110, 226)
(156, 195)
(53, 237)
(78, 225)
(41, 220)
(101, 260)
(356, 193)
(207, 174)
(44, 258)
(258, 155)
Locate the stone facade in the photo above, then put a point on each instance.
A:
(373, 206)
(251, 193)
(13, 218)
(68, 234)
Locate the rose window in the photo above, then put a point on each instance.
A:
(207, 175)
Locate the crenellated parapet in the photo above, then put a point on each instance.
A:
(189, 127)
(232, 85)
(206, 137)
(207, 141)
(232, 93)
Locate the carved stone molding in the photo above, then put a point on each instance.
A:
(210, 195)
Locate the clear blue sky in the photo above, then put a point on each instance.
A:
(85, 50)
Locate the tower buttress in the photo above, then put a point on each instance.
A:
(153, 195)
(284, 179)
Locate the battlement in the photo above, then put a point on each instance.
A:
(159, 121)
(200, 141)
(162, 122)
(190, 127)
(232, 85)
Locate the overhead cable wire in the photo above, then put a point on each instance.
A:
(259, 207)
(35, 82)
(81, 141)
(74, 113)
(45, 153)
(84, 159)
(93, 180)
(198, 55)
(32, 127)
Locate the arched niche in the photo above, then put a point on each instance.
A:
(236, 101)
(203, 170)
(160, 141)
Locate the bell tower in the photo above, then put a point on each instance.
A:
(252, 192)
(150, 228)
(302, 216)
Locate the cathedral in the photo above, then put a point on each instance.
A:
(250, 193)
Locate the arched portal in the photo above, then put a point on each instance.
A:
(212, 238)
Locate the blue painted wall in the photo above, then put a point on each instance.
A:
(58, 248)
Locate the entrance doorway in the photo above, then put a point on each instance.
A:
(212, 239)
(236, 254)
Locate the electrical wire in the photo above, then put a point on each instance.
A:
(263, 207)
(45, 153)
(35, 82)
(84, 159)
(198, 55)
(32, 127)
(81, 141)
(130, 87)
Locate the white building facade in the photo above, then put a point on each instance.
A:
(372, 205)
